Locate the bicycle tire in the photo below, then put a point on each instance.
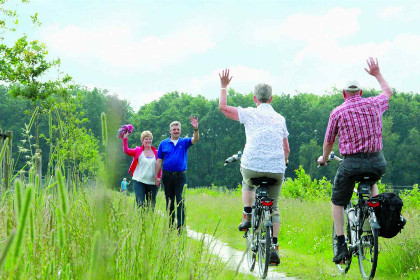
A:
(251, 256)
(264, 247)
(368, 253)
(343, 268)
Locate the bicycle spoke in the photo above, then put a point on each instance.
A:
(368, 253)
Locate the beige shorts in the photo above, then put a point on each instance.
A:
(273, 192)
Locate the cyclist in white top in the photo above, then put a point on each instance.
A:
(266, 150)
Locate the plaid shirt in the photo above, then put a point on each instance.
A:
(358, 121)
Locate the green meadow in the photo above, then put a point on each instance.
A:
(306, 233)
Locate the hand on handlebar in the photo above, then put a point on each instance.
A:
(233, 158)
(322, 162)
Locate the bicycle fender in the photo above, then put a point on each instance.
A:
(268, 223)
(374, 225)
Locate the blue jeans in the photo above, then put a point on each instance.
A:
(145, 192)
(174, 186)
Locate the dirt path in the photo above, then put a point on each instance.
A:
(236, 259)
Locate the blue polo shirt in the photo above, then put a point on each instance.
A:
(174, 157)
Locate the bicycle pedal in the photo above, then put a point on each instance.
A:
(245, 229)
(273, 264)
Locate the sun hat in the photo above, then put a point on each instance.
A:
(352, 86)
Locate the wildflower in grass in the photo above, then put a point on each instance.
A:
(18, 196)
(94, 258)
(104, 129)
(7, 248)
(4, 148)
(62, 191)
(60, 228)
(23, 221)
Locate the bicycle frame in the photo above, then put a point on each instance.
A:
(259, 236)
(363, 229)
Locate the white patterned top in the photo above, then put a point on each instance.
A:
(265, 130)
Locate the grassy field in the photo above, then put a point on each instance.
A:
(305, 237)
(95, 234)
(99, 234)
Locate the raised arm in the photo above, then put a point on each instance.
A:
(376, 72)
(228, 111)
(126, 149)
(194, 124)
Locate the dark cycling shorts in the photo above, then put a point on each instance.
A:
(349, 168)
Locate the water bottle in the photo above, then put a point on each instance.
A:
(352, 217)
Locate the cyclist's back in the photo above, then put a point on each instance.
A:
(266, 149)
(358, 122)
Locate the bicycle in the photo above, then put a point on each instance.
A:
(259, 236)
(361, 228)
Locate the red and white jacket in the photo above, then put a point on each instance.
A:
(136, 152)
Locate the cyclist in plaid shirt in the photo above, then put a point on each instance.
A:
(358, 122)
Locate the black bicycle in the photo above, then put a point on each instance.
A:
(361, 228)
(259, 237)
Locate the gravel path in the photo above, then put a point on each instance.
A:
(236, 259)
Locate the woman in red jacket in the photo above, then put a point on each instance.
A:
(142, 169)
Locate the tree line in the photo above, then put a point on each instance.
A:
(67, 128)
(79, 135)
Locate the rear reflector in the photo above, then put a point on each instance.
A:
(267, 203)
(371, 204)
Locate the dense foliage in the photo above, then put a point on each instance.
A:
(306, 116)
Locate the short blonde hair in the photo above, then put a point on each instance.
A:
(145, 134)
(175, 123)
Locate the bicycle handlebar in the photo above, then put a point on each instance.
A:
(331, 157)
(233, 158)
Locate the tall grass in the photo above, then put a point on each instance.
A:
(95, 234)
(306, 234)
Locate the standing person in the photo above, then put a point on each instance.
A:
(358, 122)
(173, 152)
(124, 185)
(142, 169)
(266, 150)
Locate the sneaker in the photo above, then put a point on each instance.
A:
(246, 222)
(341, 254)
(180, 229)
(274, 256)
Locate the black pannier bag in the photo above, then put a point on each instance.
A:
(389, 216)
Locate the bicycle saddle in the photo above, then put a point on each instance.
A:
(366, 178)
(263, 181)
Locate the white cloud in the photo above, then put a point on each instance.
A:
(391, 12)
(116, 45)
(336, 23)
(403, 13)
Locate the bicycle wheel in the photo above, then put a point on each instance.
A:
(368, 253)
(343, 268)
(250, 253)
(264, 246)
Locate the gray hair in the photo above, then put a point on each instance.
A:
(263, 92)
(175, 123)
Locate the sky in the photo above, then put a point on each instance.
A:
(140, 50)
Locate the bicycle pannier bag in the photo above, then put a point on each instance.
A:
(389, 216)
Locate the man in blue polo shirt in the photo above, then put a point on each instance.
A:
(173, 152)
